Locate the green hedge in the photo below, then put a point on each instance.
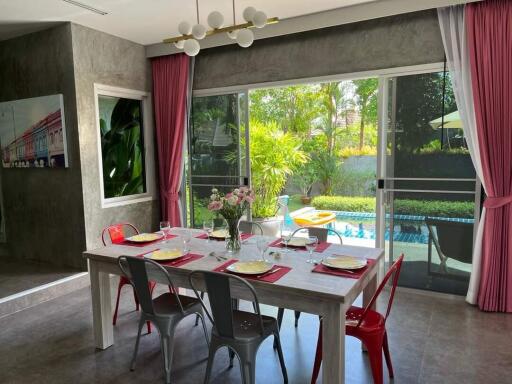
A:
(402, 207)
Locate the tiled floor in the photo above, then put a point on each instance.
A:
(432, 340)
(18, 276)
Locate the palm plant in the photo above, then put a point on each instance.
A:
(122, 150)
(275, 155)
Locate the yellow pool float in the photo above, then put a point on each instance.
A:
(314, 218)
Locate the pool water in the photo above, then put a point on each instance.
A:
(407, 228)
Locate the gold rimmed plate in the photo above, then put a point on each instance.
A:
(220, 234)
(145, 237)
(250, 267)
(165, 254)
(344, 262)
(298, 242)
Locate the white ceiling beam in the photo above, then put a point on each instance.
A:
(345, 15)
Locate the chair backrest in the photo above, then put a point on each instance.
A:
(453, 239)
(116, 233)
(394, 271)
(218, 287)
(320, 233)
(250, 227)
(136, 270)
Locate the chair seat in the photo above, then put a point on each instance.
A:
(166, 304)
(373, 321)
(246, 326)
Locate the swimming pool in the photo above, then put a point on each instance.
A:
(407, 228)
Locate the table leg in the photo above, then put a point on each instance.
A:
(333, 345)
(101, 306)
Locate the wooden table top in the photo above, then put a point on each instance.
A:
(299, 281)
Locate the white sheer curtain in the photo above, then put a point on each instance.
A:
(453, 32)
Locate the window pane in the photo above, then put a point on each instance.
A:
(122, 146)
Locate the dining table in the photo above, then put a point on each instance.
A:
(299, 289)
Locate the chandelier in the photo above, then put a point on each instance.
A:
(190, 35)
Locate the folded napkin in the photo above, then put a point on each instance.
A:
(243, 236)
(268, 277)
(143, 244)
(320, 247)
(357, 273)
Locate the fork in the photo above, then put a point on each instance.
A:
(272, 271)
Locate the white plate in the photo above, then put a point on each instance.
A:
(251, 267)
(165, 254)
(344, 262)
(145, 237)
(298, 242)
(219, 234)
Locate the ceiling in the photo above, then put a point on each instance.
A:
(145, 22)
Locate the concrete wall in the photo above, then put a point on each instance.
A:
(105, 59)
(396, 41)
(43, 207)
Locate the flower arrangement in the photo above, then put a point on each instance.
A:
(231, 206)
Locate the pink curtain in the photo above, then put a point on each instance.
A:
(489, 36)
(170, 89)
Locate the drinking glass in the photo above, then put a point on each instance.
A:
(285, 238)
(208, 228)
(311, 244)
(187, 236)
(262, 244)
(165, 227)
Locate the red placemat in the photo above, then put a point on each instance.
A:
(188, 258)
(320, 247)
(243, 236)
(145, 244)
(266, 277)
(320, 268)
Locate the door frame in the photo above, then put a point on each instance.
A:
(242, 92)
(384, 195)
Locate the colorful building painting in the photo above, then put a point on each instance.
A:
(32, 133)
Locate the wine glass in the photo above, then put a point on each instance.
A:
(208, 228)
(262, 244)
(311, 244)
(187, 236)
(286, 235)
(165, 227)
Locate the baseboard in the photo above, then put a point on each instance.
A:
(26, 299)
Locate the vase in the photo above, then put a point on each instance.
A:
(233, 241)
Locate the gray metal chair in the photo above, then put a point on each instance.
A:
(321, 234)
(165, 311)
(250, 227)
(242, 332)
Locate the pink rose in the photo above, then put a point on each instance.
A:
(215, 205)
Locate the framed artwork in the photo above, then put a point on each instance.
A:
(33, 133)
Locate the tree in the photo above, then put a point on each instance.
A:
(275, 155)
(366, 101)
(292, 108)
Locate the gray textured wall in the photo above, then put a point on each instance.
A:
(109, 60)
(43, 207)
(395, 41)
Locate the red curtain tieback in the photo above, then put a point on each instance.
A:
(497, 202)
(170, 196)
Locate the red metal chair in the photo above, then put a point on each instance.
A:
(369, 326)
(116, 234)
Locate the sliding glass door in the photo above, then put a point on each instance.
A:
(427, 184)
(217, 140)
